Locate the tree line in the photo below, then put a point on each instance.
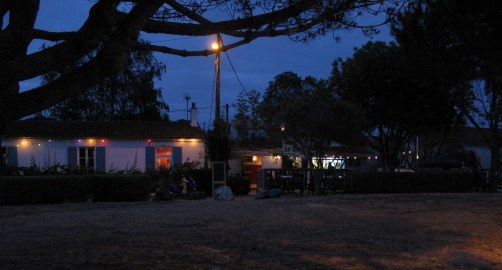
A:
(442, 71)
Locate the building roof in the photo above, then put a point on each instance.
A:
(257, 148)
(102, 129)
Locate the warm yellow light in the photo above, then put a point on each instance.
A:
(188, 140)
(91, 140)
(255, 158)
(215, 46)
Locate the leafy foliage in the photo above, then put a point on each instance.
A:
(58, 189)
(113, 28)
(460, 41)
(218, 142)
(128, 95)
(304, 112)
(398, 100)
(246, 120)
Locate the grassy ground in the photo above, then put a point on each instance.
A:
(409, 231)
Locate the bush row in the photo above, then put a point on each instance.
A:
(411, 182)
(15, 190)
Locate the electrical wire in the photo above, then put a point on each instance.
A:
(212, 99)
(237, 76)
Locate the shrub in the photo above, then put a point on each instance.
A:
(410, 182)
(64, 188)
(203, 178)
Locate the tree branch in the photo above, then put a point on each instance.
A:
(53, 36)
(108, 60)
(98, 25)
(187, 12)
(185, 53)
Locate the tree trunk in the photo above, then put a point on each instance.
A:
(494, 168)
(2, 158)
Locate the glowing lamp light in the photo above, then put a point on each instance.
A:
(215, 46)
(255, 158)
(103, 141)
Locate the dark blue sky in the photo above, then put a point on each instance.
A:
(256, 63)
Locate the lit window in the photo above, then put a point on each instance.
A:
(163, 156)
(160, 151)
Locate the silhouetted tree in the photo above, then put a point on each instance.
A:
(112, 28)
(127, 95)
(399, 102)
(246, 121)
(218, 142)
(306, 113)
(461, 42)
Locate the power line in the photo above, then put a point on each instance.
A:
(212, 99)
(237, 76)
(201, 108)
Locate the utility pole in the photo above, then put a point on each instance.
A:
(218, 46)
(228, 123)
(187, 98)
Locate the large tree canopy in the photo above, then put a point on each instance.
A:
(400, 102)
(117, 24)
(306, 113)
(461, 42)
(128, 95)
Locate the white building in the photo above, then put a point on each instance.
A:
(103, 146)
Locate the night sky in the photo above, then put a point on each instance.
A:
(256, 63)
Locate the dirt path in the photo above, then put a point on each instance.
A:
(412, 231)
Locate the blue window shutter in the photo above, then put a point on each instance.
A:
(72, 157)
(150, 157)
(177, 158)
(11, 155)
(100, 159)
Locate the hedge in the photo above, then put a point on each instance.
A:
(40, 189)
(411, 182)
(203, 178)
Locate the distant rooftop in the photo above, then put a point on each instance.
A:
(102, 129)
